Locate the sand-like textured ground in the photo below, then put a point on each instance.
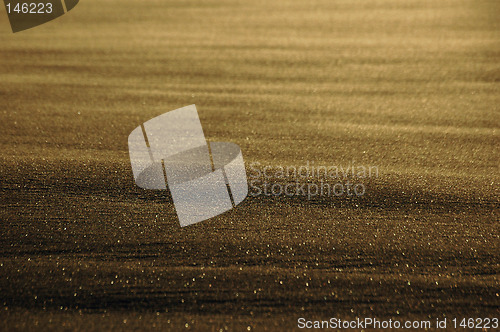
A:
(410, 87)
